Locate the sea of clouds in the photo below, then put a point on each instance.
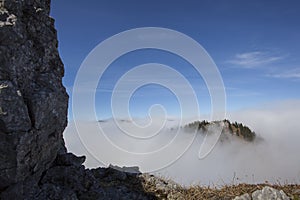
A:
(275, 158)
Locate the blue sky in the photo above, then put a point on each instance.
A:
(255, 44)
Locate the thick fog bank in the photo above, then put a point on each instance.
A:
(273, 159)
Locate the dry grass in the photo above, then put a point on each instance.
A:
(171, 191)
(229, 192)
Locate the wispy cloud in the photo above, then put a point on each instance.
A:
(254, 59)
(290, 74)
(239, 92)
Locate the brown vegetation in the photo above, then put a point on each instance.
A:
(172, 190)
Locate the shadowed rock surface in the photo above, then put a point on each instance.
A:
(33, 115)
(68, 179)
(33, 101)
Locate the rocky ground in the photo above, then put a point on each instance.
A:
(68, 179)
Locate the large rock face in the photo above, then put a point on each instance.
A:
(34, 163)
(33, 101)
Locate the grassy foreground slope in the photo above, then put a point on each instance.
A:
(167, 189)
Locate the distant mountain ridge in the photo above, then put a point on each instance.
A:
(235, 129)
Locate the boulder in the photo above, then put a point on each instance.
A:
(269, 193)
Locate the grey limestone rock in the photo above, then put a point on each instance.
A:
(33, 101)
(243, 197)
(269, 193)
(34, 163)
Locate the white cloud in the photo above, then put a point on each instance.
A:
(274, 159)
(254, 59)
(290, 74)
